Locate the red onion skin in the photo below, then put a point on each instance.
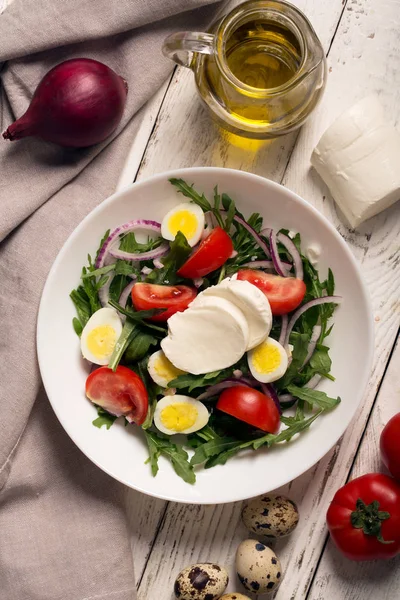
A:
(77, 104)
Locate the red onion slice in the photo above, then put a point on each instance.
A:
(127, 228)
(314, 381)
(316, 332)
(223, 385)
(284, 326)
(294, 253)
(310, 304)
(255, 235)
(269, 390)
(146, 270)
(157, 263)
(278, 264)
(198, 282)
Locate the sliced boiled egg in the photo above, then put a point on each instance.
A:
(187, 218)
(161, 370)
(100, 335)
(180, 414)
(268, 361)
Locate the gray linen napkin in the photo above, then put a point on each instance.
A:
(63, 534)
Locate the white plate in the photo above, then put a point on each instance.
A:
(121, 451)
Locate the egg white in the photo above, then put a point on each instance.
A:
(201, 419)
(196, 213)
(161, 370)
(268, 375)
(101, 318)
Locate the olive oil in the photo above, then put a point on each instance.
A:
(263, 55)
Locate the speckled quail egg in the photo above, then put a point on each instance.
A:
(258, 567)
(272, 516)
(234, 596)
(187, 218)
(204, 581)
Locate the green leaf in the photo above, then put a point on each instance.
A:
(139, 316)
(154, 452)
(188, 191)
(178, 254)
(76, 324)
(98, 272)
(176, 454)
(127, 334)
(104, 418)
(192, 382)
(286, 434)
(320, 360)
(82, 305)
(91, 291)
(128, 243)
(140, 345)
(300, 343)
(214, 446)
(313, 397)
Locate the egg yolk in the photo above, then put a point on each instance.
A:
(166, 370)
(266, 358)
(179, 416)
(101, 341)
(183, 221)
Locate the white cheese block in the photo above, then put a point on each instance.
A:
(358, 158)
(250, 300)
(211, 336)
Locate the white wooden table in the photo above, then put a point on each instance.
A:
(362, 42)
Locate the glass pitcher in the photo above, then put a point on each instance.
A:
(261, 69)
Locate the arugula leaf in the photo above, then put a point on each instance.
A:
(188, 191)
(91, 292)
(128, 243)
(104, 418)
(191, 382)
(300, 343)
(127, 334)
(214, 446)
(140, 345)
(98, 272)
(176, 454)
(77, 325)
(286, 435)
(177, 256)
(316, 397)
(320, 361)
(82, 305)
(154, 452)
(139, 315)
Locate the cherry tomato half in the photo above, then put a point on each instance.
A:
(284, 293)
(174, 298)
(212, 253)
(390, 446)
(250, 406)
(120, 392)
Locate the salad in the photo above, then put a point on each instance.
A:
(210, 335)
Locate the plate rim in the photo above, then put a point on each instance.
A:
(182, 172)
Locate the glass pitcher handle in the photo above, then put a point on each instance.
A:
(181, 46)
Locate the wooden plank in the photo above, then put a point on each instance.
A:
(338, 577)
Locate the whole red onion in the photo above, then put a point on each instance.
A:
(78, 103)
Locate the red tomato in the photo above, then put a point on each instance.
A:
(175, 298)
(364, 518)
(212, 253)
(284, 293)
(121, 393)
(250, 406)
(390, 446)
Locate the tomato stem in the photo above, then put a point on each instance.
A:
(369, 518)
